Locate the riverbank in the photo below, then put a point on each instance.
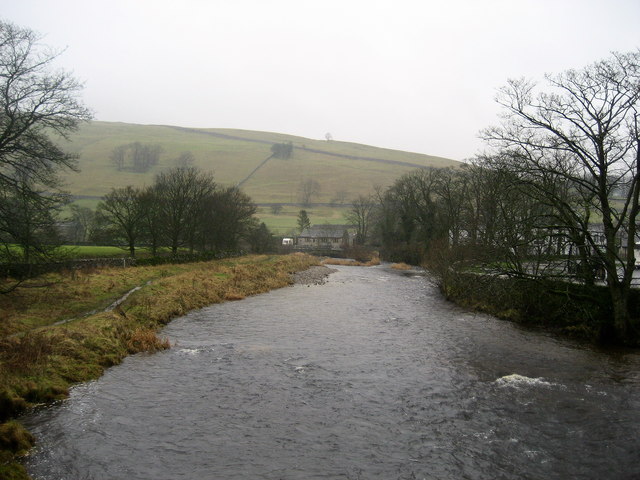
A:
(567, 309)
(51, 337)
(315, 275)
(302, 382)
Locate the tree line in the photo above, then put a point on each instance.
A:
(183, 209)
(556, 194)
(136, 157)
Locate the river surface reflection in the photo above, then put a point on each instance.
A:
(370, 376)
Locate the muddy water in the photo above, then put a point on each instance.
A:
(370, 376)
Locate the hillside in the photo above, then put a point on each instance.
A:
(343, 170)
(233, 154)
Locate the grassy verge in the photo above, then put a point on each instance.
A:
(40, 360)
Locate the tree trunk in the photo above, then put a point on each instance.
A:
(621, 318)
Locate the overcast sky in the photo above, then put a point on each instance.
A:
(405, 74)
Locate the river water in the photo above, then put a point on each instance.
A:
(370, 376)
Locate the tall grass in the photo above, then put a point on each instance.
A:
(401, 266)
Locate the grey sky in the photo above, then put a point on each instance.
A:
(405, 74)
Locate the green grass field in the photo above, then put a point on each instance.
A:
(285, 223)
(232, 159)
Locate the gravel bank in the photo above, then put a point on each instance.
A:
(313, 276)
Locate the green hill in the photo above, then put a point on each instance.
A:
(343, 170)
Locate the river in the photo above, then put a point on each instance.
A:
(370, 376)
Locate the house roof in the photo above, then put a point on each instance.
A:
(325, 231)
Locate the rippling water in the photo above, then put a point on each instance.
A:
(370, 376)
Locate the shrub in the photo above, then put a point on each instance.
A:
(146, 340)
(15, 438)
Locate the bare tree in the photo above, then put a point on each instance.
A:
(118, 156)
(576, 144)
(137, 157)
(185, 159)
(411, 204)
(144, 156)
(340, 197)
(28, 221)
(227, 219)
(361, 215)
(152, 220)
(122, 208)
(449, 190)
(36, 103)
(181, 192)
(307, 189)
(82, 219)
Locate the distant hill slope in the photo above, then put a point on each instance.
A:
(341, 168)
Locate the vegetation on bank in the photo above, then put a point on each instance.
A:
(556, 196)
(40, 358)
(558, 305)
(569, 309)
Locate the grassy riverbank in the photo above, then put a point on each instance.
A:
(48, 342)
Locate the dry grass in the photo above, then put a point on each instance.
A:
(70, 294)
(146, 340)
(375, 260)
(233, 296)
(15, 438)
(401, 266)
(24, 352)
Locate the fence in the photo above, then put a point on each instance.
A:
(24, 270)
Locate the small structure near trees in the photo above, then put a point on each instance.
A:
(326, 238)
